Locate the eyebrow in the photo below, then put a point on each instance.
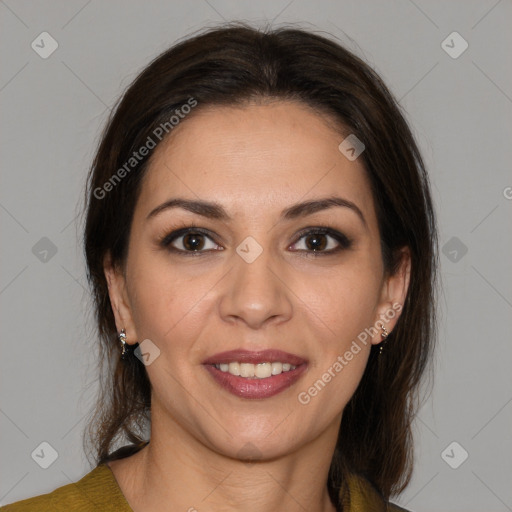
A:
(214, 210)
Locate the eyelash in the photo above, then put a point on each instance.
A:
(343, 241)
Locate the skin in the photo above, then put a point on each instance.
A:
(256, 161)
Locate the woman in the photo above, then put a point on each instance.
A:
(262, 250)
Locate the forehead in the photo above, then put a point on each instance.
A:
(254, 156)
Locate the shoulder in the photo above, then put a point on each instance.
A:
(97, 490)
(358, 494)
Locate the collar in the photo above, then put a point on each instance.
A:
(357, 494)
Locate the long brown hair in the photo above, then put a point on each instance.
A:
(231, 65)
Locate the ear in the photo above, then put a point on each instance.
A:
(119, 299)
(393, 295)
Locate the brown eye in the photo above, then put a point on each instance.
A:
(316, 242)
(193, 241)
(321, 240)
(189, 241)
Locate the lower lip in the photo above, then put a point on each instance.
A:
(256, 388)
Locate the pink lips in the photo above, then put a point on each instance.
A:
(262, 356)
(254, 388)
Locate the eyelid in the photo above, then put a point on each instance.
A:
(344, 241)
(166, 240)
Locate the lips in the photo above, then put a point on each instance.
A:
(262, 356)
(255, 388)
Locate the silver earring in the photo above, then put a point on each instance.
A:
(384, 335)
(122, 339)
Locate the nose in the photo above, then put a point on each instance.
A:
(255, 293)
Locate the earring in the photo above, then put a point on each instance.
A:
(384, 335)
(122, 339)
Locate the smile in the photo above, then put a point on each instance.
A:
(255, 375)
(260, 370)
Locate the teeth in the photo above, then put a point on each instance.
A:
(259, 371)
(277, 368)
(246, 370)
(233, 368)
(263, 370)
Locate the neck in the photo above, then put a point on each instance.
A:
(177, 472)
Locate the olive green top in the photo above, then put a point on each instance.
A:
(99, 491)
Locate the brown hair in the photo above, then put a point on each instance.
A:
(231, 65)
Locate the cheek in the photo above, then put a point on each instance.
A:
(342, 347)
(340, 309)
(341, 304)
(168, 305)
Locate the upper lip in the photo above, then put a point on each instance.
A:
(255, 357)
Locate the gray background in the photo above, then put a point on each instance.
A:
(52, 113)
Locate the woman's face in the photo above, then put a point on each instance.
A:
(247, 278)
